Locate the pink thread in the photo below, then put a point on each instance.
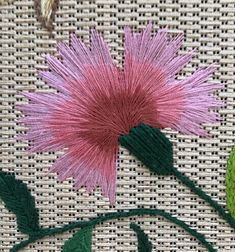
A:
(98, 102)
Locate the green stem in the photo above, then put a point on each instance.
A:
(154, 149)
(111, 216)
(197, 190)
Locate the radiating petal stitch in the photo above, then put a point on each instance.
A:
(97, 102)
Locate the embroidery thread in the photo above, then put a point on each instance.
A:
(98, 102)
(154, 149)
(45, 10)
(144, 245)
(19, 200)
(230, 182)
(6, 1)
(13, 199)
(80, 242)
(99, 105)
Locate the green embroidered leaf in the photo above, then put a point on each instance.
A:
(230, 183)
(144, 245)
(18, 199)
(151, 147)
(80, 242)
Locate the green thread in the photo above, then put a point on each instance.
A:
(197, 190)
(152, 147)
(111, 216)
(80, 242)
(144, 245)
(230, 182)
(18, 199)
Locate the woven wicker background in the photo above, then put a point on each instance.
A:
(208, 25)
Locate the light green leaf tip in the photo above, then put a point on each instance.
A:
(80, 242)
(230, 183)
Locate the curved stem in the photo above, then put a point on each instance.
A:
(110, 216)
(197, 190)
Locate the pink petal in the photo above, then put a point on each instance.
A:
(53, 80)
(157, 50)
(70, 58)
(99, 49)
(55, 65)
(97, 102)
(90, 167)
(199, 102)
(37, 118)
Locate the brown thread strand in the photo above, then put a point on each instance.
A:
(46, 24)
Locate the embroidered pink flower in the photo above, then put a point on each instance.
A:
(98, 101)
